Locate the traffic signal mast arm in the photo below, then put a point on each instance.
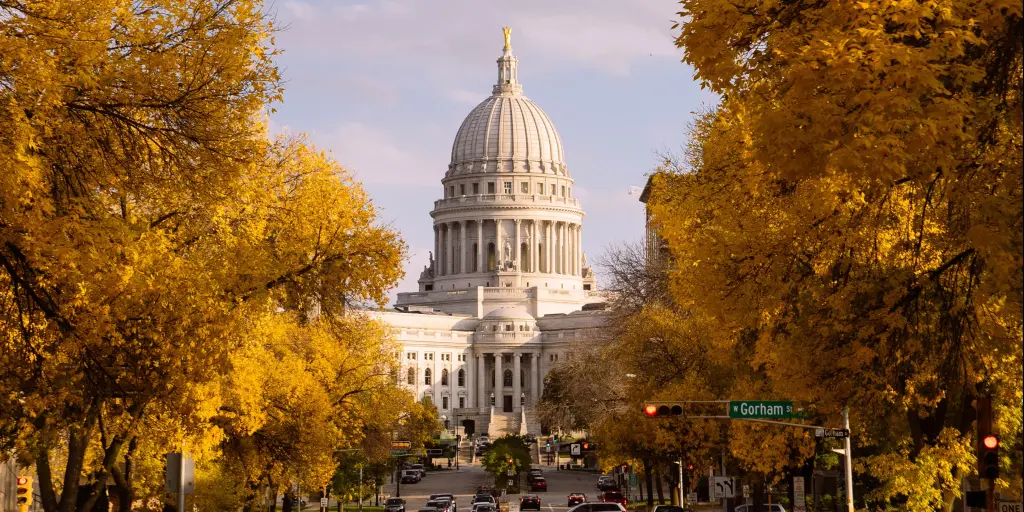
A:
(683, 409)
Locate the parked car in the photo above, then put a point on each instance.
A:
(598, 507)
(394, 505)
(613, 497)
(538, 484)
(774, 507)
(576, 498)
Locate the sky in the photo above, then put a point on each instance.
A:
(383, 86)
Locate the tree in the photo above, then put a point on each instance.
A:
(148, 223)
(507, 453)
(851, 214)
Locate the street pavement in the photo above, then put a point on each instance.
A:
(464, 482)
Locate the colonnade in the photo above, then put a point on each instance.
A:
(482, 398)
(526, 245)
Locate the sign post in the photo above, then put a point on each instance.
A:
(799, 500)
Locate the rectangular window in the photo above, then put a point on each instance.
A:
(525, 187)
(462, 402)
(476, 188)
(444, 402)
(563, 190)
(552, 189)
(451, 191)
(462, 189)
(508, 187)
(490, 187)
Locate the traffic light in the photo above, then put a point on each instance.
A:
(24, 492)
(658, 409)
(990, 457)
(547, 444)
(586, 446)
(690, 467)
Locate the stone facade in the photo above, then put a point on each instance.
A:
(502, 298)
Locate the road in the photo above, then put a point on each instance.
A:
(463, 485)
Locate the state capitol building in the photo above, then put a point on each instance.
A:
(507, 288)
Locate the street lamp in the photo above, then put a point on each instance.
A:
(492, 398)
(522, 399)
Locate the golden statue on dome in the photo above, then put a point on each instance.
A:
(508, 37)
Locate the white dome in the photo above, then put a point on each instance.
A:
(510, 133)
(513, 313)
(507, 132)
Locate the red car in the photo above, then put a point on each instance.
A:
(539, 485)
(614, 497)
(576, 498)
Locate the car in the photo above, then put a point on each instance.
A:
(529, 501)
(607, 483)
(598, 507)
(420, 468)
(534, 476)
(427, 509)
(613, 497)
(440, 505)
(483, 498)
(576, 498)
(539, 484)
(410, 476)
(486, 489)
(447, 496)
(484, 506)
(774, 507)
(670, 508)
(394, 505)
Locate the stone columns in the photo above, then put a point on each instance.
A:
(437, 250)
(517, 384)
(435, 381)
(479, 246)
(499, 380)
(481, 389)
(497, 245)
(574, 234)
(549, 250)
(534, 378)
(462, 246)
(579, 249)
(534, 246)
(565, 248)
(517, 252)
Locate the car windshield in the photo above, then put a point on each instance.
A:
(394, 501)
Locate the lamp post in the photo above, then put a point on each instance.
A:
(492, 398)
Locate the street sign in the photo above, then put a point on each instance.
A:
(179, 469)
(323, 502)
(511, 472)
(799, 499)
(401, 445)
(1009, 506)
(632, 479)
(834, 433)
(547, 448)
(763, 409)
(692, 497)
(746, 491)
(397, 453)
(574, 449)
(434, 452)
(723, 487)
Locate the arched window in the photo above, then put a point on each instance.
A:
(411, 377)
(426, 376)
(507, 380)
(524, 255)
(462, 377)
(444, 377)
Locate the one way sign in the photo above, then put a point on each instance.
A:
(723, 487)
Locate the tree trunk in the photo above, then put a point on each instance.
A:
(288, 502)
(649, 477)
(661, 495)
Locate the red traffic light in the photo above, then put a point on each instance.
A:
(991, 442)
(651, 410)
(22, 480)
(690, 467)
(586, 446)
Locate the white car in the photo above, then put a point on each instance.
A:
(774, 507)
(598, 507)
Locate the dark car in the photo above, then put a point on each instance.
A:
(529, 501)
(607, 484)
(614, 497)
(539, 484)
(411, 477)
(446, 496)
(394, 505)
(576, 498)
(483, 497)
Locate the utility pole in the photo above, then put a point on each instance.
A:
(849, 460)
(681, 502)
(360, 488)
